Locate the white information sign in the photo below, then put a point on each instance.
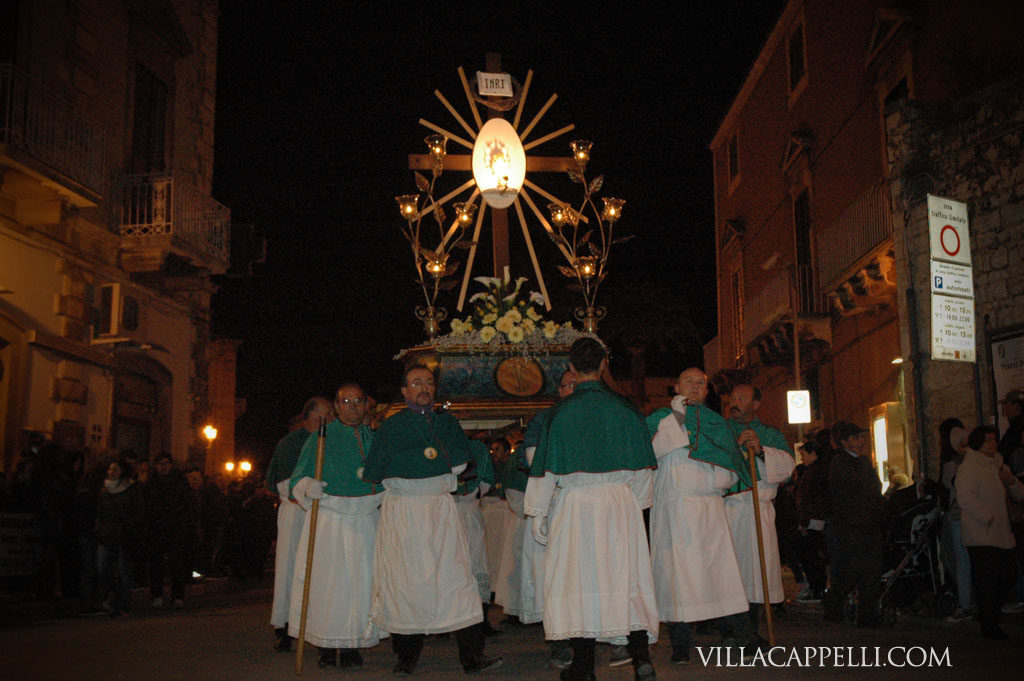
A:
(947, 227)
(1007, 369)
(494, 84)
(953, 328)
(799, 402)
(952, 279)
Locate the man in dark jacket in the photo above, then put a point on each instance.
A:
(858, 516)
(168, 523)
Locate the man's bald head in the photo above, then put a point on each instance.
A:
(693, 386)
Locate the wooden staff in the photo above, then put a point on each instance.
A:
(321, 441)
(752, 458)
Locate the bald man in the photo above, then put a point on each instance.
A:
(290, 515)
(696, 574)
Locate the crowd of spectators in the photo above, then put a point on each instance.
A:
(96, 526)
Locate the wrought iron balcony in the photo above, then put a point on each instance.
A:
(159, 208)
(44, 134)
(860, 229)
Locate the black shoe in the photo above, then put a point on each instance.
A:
(680, 656)
(284, 641)
(644, 672)
(405, 667)
(350, 658)
(566, 675)
(483, 664)
(327, 658)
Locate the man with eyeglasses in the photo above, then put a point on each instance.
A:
(341, 581)
(422, 578)
(289, 514)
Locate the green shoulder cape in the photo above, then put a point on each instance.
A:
(769, 438)
(405, 443)
(711, 439)
(344, 458)
(484, 468)
(286, 455)
(592, 431)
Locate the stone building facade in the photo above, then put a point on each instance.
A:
(108, 232)
(970, 150)
(811, 285)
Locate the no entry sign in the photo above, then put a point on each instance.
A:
(947, 224)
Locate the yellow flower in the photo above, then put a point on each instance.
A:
(514, 315)
(528, 326)
(487, 333)
(515, 335)
(533, 314)
(550, 329)
(489, 318)
(505, 324)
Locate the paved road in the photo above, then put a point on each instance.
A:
(225, 636)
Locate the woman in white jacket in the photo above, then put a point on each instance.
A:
(982, 483)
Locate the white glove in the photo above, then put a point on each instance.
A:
(539, 528)
(315, 489)
(308, 488)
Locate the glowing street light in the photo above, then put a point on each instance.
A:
(245, 466)
(229, 466)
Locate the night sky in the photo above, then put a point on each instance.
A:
(317, 110)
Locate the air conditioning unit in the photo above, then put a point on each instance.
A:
(118, 315)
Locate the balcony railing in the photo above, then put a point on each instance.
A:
(858, 230)
(164, 206)
(47, 128)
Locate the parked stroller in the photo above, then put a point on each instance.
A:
(915, 576)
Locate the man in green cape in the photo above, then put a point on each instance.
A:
(774, 466)
(597, 577)
(290, 515)
(423, 579)
(341, 580)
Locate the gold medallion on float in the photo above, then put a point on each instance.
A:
(430, 453)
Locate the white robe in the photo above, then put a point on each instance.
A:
(289, 529)
(695, 568)
(341, 582)
(507, 586)
(776, 468)
(495, 510)
(597, 571)
(422, 578)
(472, 519)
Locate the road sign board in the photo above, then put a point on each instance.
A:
(948, 229)
(952, 279)
(953, 328)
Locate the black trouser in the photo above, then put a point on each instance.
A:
(738, 626)
(812, 546)
(174, 549)
(680, 634)
(857, 564)
(582, 668)
(469, 639)
(994, 573)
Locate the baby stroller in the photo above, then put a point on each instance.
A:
(913, 557)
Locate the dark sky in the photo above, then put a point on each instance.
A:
(317, 110)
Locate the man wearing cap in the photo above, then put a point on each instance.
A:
(597, 573)
(289, 514)
(338, 617)
(1013, 410)
(858, 516)
(422, 575)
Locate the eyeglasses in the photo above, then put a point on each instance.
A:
(571, 384)
(352, 400)
(419, 383)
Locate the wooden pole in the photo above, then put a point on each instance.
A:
(321, 440)
(760, 545)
